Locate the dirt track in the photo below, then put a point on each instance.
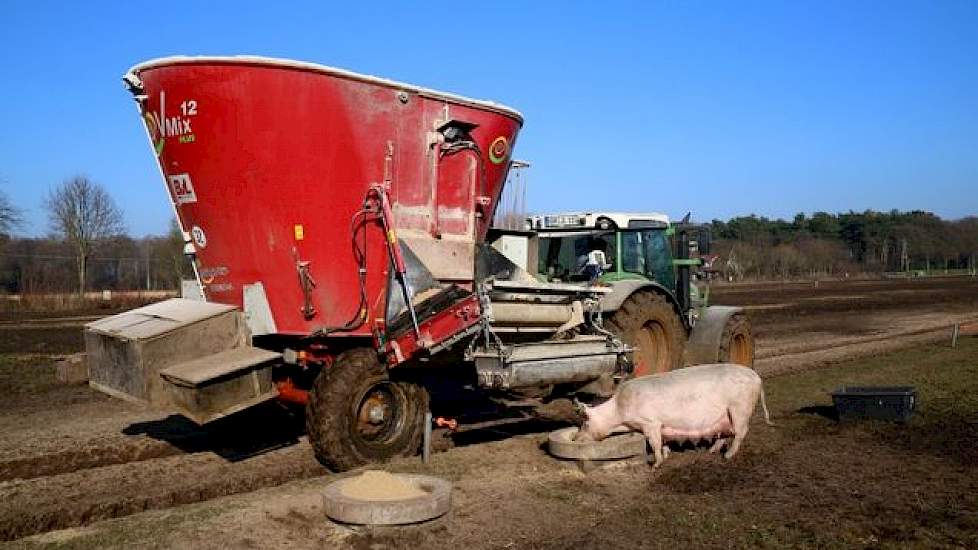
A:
(800, 325)
(70, 457)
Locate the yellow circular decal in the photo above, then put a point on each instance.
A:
(499, 150)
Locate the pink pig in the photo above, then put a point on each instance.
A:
(700, 402)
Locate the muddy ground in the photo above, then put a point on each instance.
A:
(809, 481)
(70, 458)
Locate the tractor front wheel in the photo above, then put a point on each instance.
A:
(647, 322)
(356, 414)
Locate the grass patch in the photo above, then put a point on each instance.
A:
(813, 482)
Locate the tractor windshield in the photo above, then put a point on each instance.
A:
(630, 254)
(563, 256)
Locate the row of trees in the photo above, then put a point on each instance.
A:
(847, 243)
(87, 248)
(49, 265)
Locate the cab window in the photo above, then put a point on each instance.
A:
(632, 253)
(563, 258)
(658, 256)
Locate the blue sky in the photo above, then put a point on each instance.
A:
(724, 108)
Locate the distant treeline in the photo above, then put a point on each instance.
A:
(49, 264)
(852, 243)
(88, 248)
(92, 252)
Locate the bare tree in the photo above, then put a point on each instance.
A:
(9, 215)
(85, 215)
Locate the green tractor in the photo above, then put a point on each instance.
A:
(655, 305)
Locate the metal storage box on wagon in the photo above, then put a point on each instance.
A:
(178, 354)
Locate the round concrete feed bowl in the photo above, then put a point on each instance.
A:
(346, 509)
(614, 447)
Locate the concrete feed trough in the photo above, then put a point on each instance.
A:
(381, 498)
(617, 446)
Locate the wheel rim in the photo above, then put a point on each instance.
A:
(378, 414)
(652, 354)
(740, 350)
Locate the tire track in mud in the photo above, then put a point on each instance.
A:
(895, 337)
(145, 438)
(72, 460)
(798, 361)
(40, 504)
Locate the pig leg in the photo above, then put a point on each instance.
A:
(740, 423)
(653, 432)
(665, 453)
(718, 444)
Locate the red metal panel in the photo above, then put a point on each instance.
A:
(437, 328)
(268, 163)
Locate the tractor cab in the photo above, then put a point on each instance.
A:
(652, 265)
(636, 247)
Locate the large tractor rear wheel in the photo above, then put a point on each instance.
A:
(647, 321)
(737, 342)
(357, 414)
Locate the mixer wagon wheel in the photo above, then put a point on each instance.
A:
(647, 321)
(357, 414)
(737, 342)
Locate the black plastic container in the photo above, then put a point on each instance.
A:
(892, 403)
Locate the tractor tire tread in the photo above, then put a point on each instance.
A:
(328, 410)
(738, 323)
(642, 306)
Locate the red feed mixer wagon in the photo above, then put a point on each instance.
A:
(339, 225)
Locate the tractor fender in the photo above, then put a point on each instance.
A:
(704, 340)
(621, 290)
